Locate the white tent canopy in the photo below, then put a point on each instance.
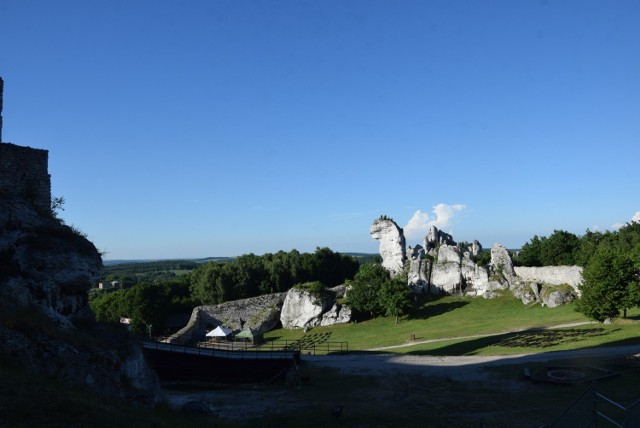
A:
(219, 332)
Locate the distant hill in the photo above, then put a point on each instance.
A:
(138, 261)
(359, 256)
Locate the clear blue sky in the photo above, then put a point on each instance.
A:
(217, 128)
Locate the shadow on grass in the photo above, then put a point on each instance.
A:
(426, 310)
(533, 339)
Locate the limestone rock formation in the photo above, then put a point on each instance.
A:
(527, 292)
(444, 267)
(435, 238)
(475, 278)
(419, 270)
(305, 309)
(554, 297)
(338, 314)
(260, 314)
(476, 248)
(501, 264)
(392, 244)
(446, 275)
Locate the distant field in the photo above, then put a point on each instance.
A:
(458, 317)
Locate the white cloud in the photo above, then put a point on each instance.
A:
(419, 224)
(634, 219)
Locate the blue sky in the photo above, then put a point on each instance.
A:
(217, 128)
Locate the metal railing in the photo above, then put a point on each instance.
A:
(222, 352)
(592, 407)
(247, 350)
(318, 348)
(632, 419)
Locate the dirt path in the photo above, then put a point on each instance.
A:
(454, 367)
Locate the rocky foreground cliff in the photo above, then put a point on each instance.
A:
(46, 327)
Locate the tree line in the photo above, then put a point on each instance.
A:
(151, 303)
(610, 261)
(250, 275)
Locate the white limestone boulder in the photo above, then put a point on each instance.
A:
(446, 275)
(303, 309)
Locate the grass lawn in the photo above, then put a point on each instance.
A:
(458, 317)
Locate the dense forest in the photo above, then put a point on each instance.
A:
(149, 293)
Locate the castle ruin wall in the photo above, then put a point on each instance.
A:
(24, 173)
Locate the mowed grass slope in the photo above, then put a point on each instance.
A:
(437, 317)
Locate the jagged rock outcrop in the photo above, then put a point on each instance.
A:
(475, 278)
(444, 267)
(527, 292)
(502, 265)
(419, 270)
(338, 314)
(392, 244)
(44, 262)
(446, 277)
(260, 314)
(46, 271)
(305, 309)
(435, 238)
(476, 248)
(556, 296)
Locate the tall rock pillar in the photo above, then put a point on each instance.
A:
(392, 244)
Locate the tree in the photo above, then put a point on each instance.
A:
(588, 245)
(366, 287)
(250, 275)
(109, 306)
(559, 249)
(147, 306)
(395, 297)
(610, 284)
(530, 253)
(374, 292)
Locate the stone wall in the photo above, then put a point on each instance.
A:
(553, 275)
(24, 174)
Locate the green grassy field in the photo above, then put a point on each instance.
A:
(518, 328)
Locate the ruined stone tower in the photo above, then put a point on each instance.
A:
(24, 171)
(1, 91)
